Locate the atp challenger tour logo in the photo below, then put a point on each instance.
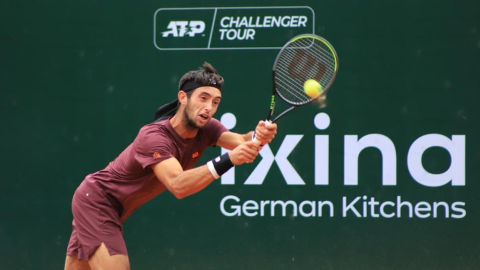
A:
(347, 206)
(229, 28)
(182, 28)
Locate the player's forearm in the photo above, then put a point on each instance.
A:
(230, 140)
(190, 181)
(248, 136)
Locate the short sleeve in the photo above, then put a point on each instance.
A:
(152, 146)
(216, 128)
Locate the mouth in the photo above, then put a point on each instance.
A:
(204, 117)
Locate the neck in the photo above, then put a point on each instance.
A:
(179, 123)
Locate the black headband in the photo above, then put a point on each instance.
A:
(169, 109)
(191, 85)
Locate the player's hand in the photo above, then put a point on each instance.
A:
(265, 132)
(244, 153)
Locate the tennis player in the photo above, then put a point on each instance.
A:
(161, 157)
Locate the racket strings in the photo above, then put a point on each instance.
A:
(317, 51)
(317, 48)
(293, 96)
(326, 58)
(289, 88)
(303, 59)
(327, 72)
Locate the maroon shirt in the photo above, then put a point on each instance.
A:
(129, 181)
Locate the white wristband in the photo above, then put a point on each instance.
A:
(212, 170)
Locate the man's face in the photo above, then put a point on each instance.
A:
(201, 106)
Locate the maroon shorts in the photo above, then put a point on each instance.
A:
(95, 221)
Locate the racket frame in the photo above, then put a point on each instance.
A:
(274, 88)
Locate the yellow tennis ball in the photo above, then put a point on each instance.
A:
(312, 88)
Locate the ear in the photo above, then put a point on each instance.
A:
(182, 97)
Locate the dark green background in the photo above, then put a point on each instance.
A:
(78, 79)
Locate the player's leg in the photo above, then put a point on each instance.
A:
(97, 231)
(102, 259)
(73, 263)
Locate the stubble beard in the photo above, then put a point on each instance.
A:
(191, 123)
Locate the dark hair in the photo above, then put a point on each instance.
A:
(204, 76)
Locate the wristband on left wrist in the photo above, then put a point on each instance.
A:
(219, 165)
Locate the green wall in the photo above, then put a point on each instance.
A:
(78, 79)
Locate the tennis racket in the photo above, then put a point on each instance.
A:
(304, 57)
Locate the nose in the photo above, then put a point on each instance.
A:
(209, 106)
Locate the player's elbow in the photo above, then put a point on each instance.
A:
(178, 191)
(175, 186)
(179, 195)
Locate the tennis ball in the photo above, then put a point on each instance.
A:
(312, 88)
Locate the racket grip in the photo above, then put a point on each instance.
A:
(257, 141)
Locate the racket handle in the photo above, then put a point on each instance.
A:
(257, 141)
